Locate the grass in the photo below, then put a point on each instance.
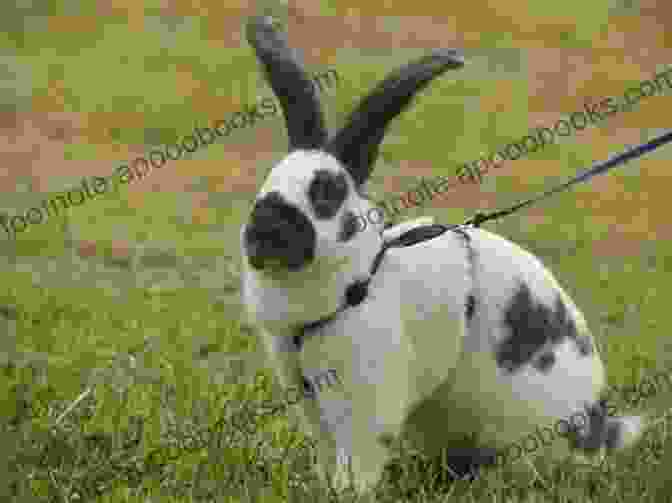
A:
(138, 380)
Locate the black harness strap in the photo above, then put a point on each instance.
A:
(358, 291)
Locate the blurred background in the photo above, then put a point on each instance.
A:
(86, 86)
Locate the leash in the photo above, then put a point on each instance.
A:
(358, 290)
(597, 169)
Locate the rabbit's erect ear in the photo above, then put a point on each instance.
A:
(290, 83)
(356, 144)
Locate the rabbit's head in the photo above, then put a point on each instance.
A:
(307, 220)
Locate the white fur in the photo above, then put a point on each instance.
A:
(409, 360)
(283, 296)
(408, 339)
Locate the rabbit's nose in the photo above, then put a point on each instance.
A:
(279, 235)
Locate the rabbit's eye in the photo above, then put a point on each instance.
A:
(349, 226)
(327, 192)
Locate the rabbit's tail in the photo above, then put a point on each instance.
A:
(613, 432)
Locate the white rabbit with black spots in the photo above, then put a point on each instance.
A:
(434, 333)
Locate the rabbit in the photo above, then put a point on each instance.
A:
(436, 334)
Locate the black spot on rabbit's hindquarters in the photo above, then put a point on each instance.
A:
(534, 324)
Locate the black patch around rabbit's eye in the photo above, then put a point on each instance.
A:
(327, 192)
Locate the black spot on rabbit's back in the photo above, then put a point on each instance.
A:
(532, 325)
(327, 192)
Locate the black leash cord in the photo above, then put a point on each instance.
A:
(597, 169)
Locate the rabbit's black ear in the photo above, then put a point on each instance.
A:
(290, 83)
(356, 144)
